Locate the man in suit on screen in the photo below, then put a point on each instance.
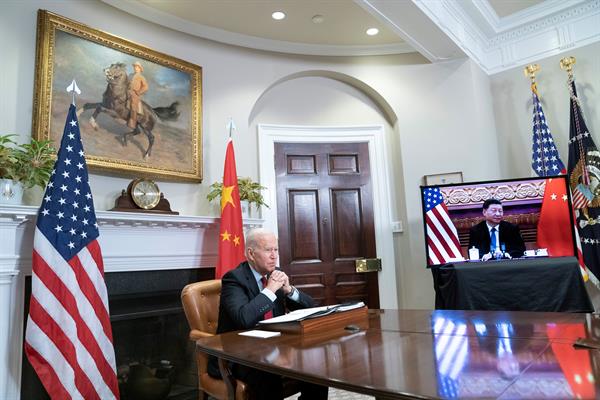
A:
(494, 237)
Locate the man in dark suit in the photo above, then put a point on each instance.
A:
(253, 291)
(494, 237)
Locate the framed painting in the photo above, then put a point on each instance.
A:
(443, 179)
(140, 111)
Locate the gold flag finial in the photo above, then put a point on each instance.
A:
(566, 64)
(531, 70)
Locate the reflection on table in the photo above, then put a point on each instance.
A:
(433, 354)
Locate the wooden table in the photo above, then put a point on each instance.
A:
(435, 354)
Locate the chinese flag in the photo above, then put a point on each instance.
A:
(231, 233)
(553, 230)
(575, 364)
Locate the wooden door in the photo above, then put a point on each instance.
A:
(325, 219)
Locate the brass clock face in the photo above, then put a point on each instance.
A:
(145, 193)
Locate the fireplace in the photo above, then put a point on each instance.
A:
(155, 359)
(148, 258)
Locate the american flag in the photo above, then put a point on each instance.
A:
(545, 159)
(442, 239)
(68, 339)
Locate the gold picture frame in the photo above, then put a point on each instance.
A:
(162, 139)
(443, 179)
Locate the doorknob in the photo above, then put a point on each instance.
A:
(368, 265)
(325, 220)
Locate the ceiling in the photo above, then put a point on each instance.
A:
(343, 21)
(504, 8)
(438, 29)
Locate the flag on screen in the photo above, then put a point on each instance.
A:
(545, 160)
(68, 339)
(584, 160)
(231, 233)
(442, 238)
(552, 232)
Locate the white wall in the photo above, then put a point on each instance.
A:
(444, 113)
(513, 106)
(445, 125)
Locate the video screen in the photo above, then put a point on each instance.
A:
(526, 217)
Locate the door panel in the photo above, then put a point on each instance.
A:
(304, 223)
(325, 219)
(346, 224)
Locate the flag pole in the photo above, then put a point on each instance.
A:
(230, 126)
(73, 88)
(566, 64)
(530, 72)
(577, 138)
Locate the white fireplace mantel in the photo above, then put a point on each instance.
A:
(129, 242)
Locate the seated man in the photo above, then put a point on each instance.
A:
(494, 237)
(253, 291)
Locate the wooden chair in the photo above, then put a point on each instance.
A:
(201, 306)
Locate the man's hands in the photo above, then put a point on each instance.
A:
(496, 255)
(279, 280)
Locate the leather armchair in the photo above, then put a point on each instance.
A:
(201, 306)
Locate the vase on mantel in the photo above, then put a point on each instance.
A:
(11, 192)
(246, 209)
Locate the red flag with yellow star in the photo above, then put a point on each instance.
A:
(231, 233)
(553, 230)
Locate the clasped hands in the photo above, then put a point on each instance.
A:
(279, 280)
(496, 255)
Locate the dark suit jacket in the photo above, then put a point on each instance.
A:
(510, 235)
(243, 305)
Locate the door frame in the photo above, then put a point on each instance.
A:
(374, 135)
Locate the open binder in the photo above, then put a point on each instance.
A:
(317, 319)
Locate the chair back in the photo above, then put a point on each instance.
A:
(201, 305)
(200, 302)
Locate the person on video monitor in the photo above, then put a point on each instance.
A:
(495, 238)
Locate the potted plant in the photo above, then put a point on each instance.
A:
(23, 166)
(249, 192)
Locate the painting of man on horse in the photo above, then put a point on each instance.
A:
(122, 100)
(139, 110)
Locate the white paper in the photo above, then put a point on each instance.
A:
(297, 315)
(260, 334)
(293, 316)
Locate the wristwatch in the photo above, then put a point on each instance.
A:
(293, 292)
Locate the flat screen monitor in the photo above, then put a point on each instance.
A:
(538, 207)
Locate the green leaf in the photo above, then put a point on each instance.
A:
(249, 191)
(30, 163)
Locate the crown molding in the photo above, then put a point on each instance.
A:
(439, 30)
(150, 14)
(523, 17)
(547, 29)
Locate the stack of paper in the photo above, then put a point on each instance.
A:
(313, 312)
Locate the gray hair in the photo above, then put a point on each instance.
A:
(253, 236)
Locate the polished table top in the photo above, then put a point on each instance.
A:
(436, 354)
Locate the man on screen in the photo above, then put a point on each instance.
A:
(494, 237)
